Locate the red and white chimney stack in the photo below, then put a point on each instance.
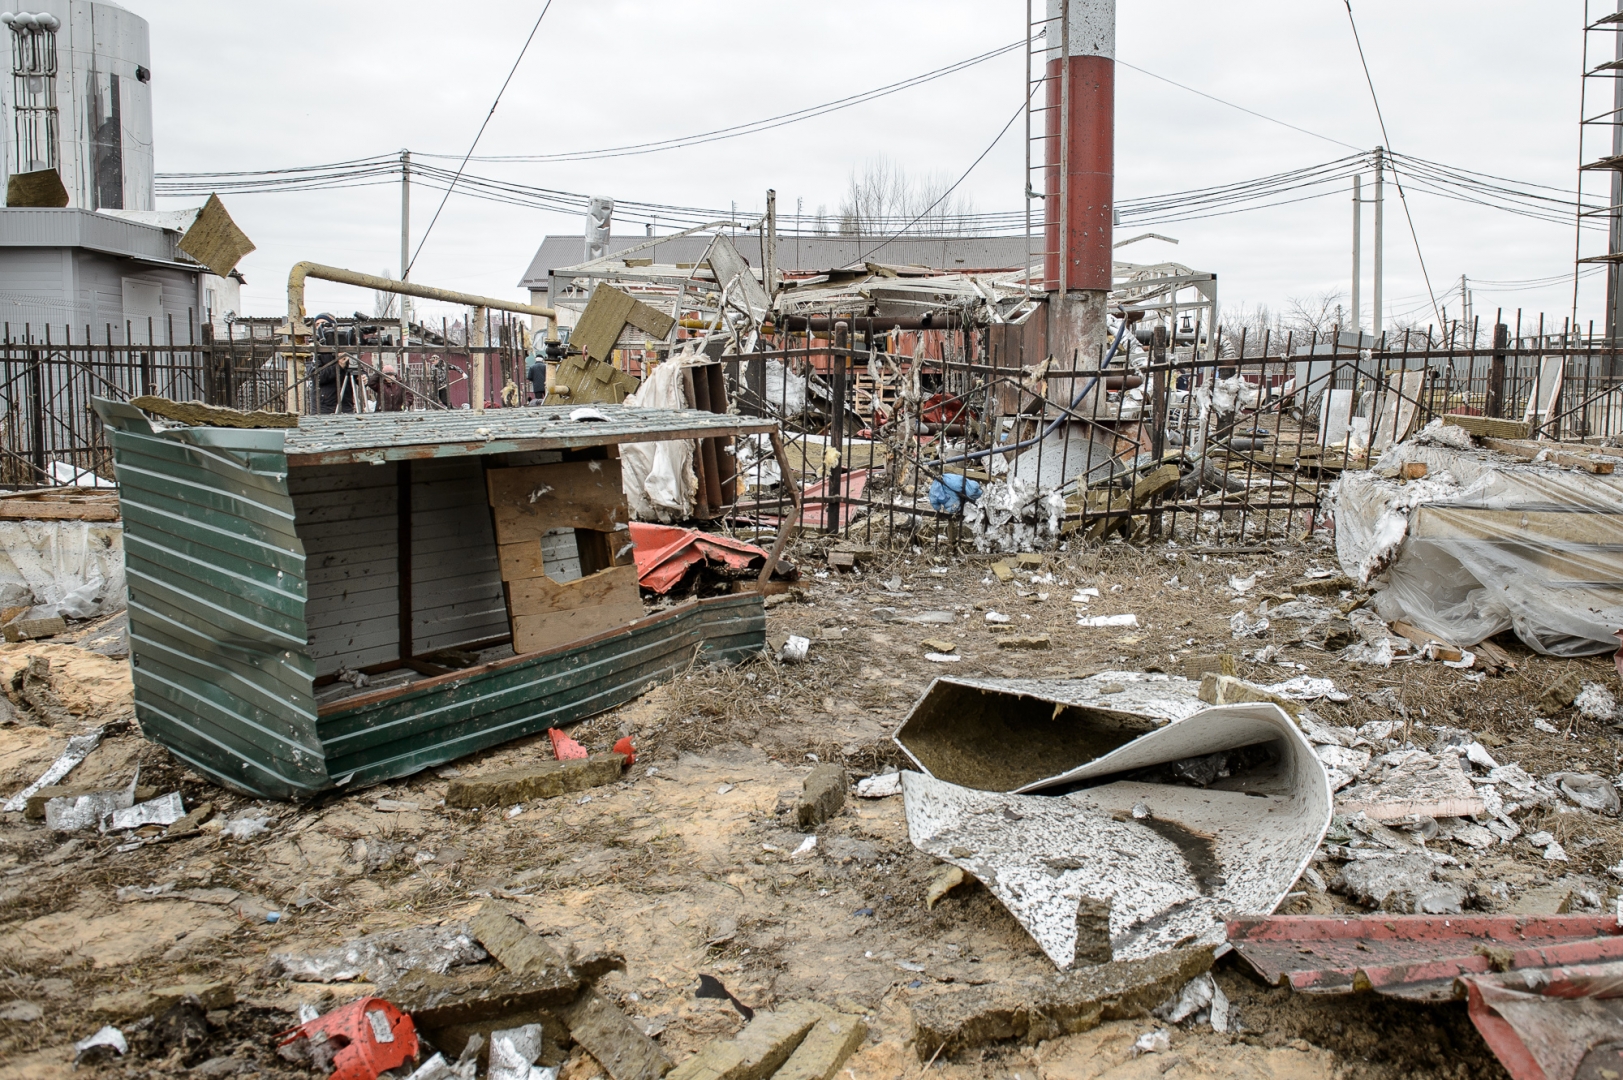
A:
(1080, 175)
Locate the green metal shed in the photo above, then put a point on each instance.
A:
(328, 604)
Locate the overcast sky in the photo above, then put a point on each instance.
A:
(1490, 85)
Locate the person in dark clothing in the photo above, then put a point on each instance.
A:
(441, 380)
(538, 379)
(338, 384)
(387, 388)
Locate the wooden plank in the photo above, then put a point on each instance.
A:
(1489, 426)
(535, 499)
(56, 510)
(521, 560)
(1528, 449)
(1440, 649)
(606, 588)
(532, 632)
(1539, 529)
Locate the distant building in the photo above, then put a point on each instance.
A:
(796, 255)
(79, 273)
(77, 97)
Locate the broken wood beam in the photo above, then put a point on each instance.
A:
(1431, 644)
(198, 414)
(1554, 453)
(1487, 426)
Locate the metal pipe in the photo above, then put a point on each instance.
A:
(295, 294)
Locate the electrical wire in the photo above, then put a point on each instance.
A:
(750, 128)
(406, 270)
(1396, 180)
(943, 196)
(1232, 105)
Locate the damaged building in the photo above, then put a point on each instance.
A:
(880, 657)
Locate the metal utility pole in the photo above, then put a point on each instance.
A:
(769, 244)
(405, 247)
(1079, 200)
(1380, 206)
(1358, 255)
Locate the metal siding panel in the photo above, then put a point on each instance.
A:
(216, 586)
(456, 583)
(348, 517)
(444, 722)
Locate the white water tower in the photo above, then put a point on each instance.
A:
(76, 96)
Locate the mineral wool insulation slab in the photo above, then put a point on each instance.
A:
(1173, 860)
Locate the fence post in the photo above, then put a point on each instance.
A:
(836, 428)
(1494, 406)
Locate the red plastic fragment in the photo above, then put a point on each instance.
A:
(563, 747)
(372, 1037)
(624, 747)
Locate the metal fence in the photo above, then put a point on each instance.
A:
(50, 434)
(1163, 443)
(885, 427)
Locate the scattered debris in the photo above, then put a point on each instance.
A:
(101, 1047)
(513, 1053)
(547, 780)
(78, 748)
(382, 958)
(1034, 1009)
(360, 1040)
(1416, 957)
(822, 795)
(1587, 790)
(882, 786)
(755, 1053)
(1485, 524)
(1550, 1023)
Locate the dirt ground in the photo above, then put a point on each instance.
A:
(687, 866)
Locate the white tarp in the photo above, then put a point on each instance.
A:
(73, 568)
(1484, 544)
(658, 478)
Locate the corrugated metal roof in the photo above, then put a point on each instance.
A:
(803, 253)
(394, 436)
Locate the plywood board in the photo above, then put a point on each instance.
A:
(606, 588)
(532, 633)
(532, 500)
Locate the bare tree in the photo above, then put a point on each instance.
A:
(1314, 317)
(383, 303)
(883, 198)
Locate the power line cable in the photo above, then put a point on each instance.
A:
(405, 270)
(1232, 105)
(943, 197)
(753, 126)
(1387, 140)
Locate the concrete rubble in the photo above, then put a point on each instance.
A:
(872, 865)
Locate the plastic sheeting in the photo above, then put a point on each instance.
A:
(1484, 544)
(73, 568)
(658, 478)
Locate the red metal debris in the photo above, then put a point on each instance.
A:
(564, 748)
(1552, 1023)
(664, 553)
(624, 747)
(1417, 957)
(370, 1036)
